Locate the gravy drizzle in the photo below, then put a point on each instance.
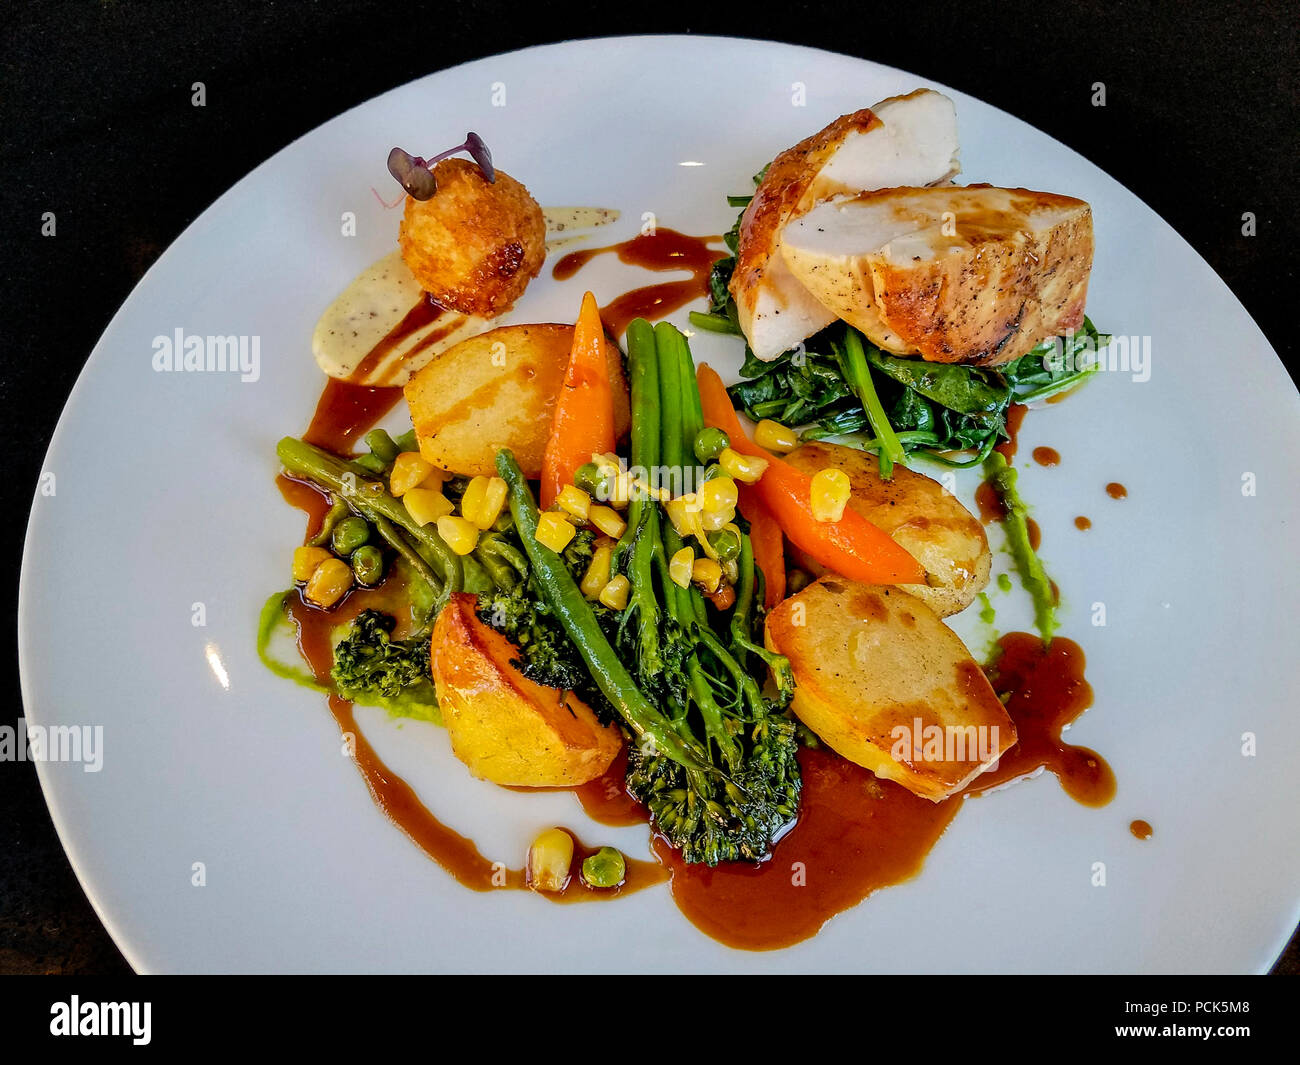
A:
(661, 250)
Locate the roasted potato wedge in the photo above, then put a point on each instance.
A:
(498, 390)
(503, 726)
(929, 522)
(886, 684)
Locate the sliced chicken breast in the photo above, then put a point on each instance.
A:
(905, 140)
(977, 275)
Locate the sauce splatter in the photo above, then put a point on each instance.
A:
(1081, 523)
(1116, 490)
(661, 250)
(1015, 419)
(1046, 691)
(989, 501)
(1046, 456)
(1035, 533)
(1141, 829)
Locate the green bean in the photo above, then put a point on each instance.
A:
(713, 323)
(381, 446)
(336, 513)
(407, 442)
(371, 464)
(579, 621)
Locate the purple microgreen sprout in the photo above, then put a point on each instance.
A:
(414, 172)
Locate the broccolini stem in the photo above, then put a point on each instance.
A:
(853, 365)
(370, 499)
(635, 551)
(579, 621)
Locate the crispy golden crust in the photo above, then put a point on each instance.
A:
(781, 191)
(473, 246)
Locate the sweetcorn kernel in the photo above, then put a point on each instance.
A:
(426, 505)
(707, 574)
(744, 468)
(679, 568)
(554, 530)
(607, 520)
(482, 502)
(615, 594)
(306, 559)
(597, 575)
(550, 859)
(574, 500)
(774, 436)
(460, 535)
(329, 583)
(720, 493)
(409, 471)
(829, 494)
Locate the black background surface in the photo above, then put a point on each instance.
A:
(96, 125)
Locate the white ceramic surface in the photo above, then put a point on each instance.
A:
(165, 499)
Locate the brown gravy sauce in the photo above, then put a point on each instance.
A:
(1015, 419)
(1141, 829)
(1045, 691)
(661, 250)
(346, 412)
(1116, 490)
(424, 313)
(1082, 524)
(855, 833)
(1046, 456)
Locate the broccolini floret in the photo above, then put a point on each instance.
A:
(369, 661)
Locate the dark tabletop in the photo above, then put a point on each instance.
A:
(1201, 120)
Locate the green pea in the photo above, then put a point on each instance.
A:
(349, 534)
(726, 543)
(606, 868)
(368, 565)
(710, 442)
(382, 446)
(592, 480)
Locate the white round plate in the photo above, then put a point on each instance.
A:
(165, 514)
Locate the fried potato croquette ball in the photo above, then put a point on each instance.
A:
(473, 246)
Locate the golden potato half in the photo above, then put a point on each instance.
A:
(498, 390)
(936, 530)
(886, 684)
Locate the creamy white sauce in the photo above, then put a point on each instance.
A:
(379, 297)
